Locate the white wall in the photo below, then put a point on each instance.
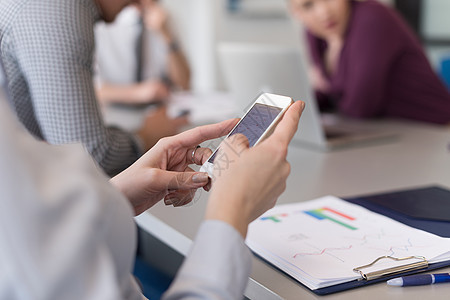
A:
(436, 25)
(203, 24)
(260, 21)
(194, 23)
(257, 24)
(436, 21)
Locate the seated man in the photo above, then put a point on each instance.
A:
(47, 49)
(138, 59)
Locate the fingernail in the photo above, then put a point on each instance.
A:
(200, 178)
(169, 201)
(177, 202)
(303, 105)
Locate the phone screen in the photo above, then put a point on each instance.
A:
(254, 124)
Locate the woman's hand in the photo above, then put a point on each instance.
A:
(163, 172)
(248, 181)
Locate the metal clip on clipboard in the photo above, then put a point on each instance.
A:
(394, 270)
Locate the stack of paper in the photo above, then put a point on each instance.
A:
(203, 108)
(320, 242)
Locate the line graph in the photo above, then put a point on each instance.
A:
(392, 250)
(381, 243)
(324, 251)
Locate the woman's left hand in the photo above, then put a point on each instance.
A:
(163, 172)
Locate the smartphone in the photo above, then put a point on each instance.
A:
(257, 124)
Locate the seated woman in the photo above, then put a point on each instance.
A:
(367, 62)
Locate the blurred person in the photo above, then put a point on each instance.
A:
(367, 63)
(47, 48)
(138, 62)
(138, 58)
(68, 233)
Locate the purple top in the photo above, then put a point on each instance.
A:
(382, 70)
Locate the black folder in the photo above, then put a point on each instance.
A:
(426, 208)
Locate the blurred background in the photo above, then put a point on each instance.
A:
(202, 25)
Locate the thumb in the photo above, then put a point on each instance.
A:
(182, 180)
(235, 144)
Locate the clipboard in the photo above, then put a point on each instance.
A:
(405, 271)
(427, 223)
(408, 270)
(373, 202)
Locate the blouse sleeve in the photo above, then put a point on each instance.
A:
(65, 232)
(217, 267)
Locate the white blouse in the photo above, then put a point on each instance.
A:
(66, 233)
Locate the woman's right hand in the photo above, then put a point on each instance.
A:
(248, 181)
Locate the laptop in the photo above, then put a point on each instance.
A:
(250, 69)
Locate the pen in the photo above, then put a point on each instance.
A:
(421, 279)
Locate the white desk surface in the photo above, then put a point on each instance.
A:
(420, 156)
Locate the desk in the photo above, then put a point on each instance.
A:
(420, 156)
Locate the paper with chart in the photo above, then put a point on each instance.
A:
(319, 242)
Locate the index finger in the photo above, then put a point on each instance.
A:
(287, 127)
(196, 136)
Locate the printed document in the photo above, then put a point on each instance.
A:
(320, 242)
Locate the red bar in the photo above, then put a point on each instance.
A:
(338, 213)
